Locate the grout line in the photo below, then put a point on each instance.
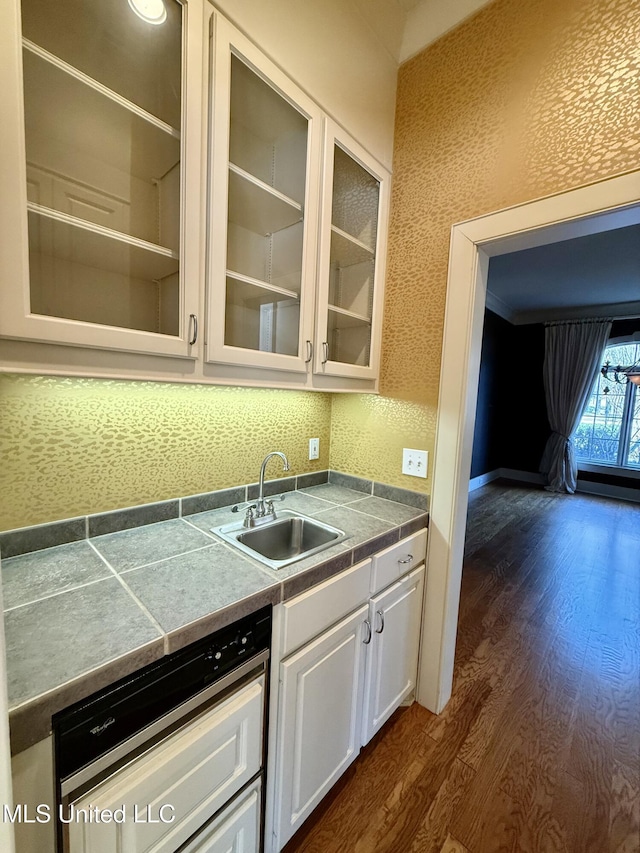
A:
(56, 594)
(164, 559)
(375, 517)
(152, 619)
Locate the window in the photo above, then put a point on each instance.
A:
(609, 430)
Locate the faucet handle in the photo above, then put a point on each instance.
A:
(238, 507)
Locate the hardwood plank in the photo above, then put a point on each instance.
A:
(624, 818)
(432, 832)
(451, 845)
(395, 826)
(538, 750)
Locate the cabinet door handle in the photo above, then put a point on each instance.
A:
(368, 640)
(193, 324)
(309, 352)
(381, 615)
(325, 352)
(407, 559)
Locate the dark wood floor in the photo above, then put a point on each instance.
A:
(539, 747)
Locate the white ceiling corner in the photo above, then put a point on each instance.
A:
(427, 20)
(405, 27)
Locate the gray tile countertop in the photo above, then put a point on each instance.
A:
(81, 615)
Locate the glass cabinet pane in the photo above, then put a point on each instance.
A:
(267, 182)
(354, 222)
(102, 91)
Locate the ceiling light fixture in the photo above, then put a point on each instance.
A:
(150, 11)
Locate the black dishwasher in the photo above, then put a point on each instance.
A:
(114, 730)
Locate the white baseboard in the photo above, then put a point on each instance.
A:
(605, 490)
(521, 476)
(483, 479)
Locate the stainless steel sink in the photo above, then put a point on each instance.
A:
(290, 537)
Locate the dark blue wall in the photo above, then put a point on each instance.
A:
(511, 427)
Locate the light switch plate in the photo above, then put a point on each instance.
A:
(314, 448)
(414, 462)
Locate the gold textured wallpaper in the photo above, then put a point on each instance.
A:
(523, 100)
(75, 446)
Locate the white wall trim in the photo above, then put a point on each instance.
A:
(483, 479)
(587, 209)
(617, 310)
(522, 476)
(623, 493)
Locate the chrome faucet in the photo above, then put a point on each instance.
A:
(264, 511)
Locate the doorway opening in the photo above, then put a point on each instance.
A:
(605, 205)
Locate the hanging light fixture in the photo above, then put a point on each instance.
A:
(151, 11)
(621, 375)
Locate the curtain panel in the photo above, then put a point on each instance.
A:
(572, 359)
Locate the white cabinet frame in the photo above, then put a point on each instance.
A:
(335, 136)
(228, 42)
(16, 319)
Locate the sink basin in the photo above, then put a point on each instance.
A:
(292, 536)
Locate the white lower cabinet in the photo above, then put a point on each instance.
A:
(337, 690)
(319, 725)
(392, 655)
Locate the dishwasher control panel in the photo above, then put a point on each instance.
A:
(97, 724)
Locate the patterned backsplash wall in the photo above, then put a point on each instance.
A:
(75, 446)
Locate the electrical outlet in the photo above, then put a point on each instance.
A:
(314, 448)
(414, 462)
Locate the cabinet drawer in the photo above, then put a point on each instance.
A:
(397, 560)
(309, 614)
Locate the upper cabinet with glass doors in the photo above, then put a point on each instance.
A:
(108, 144)
(352, 256)
(266, 146)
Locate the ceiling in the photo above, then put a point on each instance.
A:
(405, 27)
(592, 276)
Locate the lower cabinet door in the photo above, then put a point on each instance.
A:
(392, 658)
(236, 830)
(319, 723)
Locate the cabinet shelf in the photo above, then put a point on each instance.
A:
(263, 285)
(68, 238)
(346, 250)
(347, 319)
(67, 105)
(257, 207)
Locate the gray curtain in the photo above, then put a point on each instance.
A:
(572, 358)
